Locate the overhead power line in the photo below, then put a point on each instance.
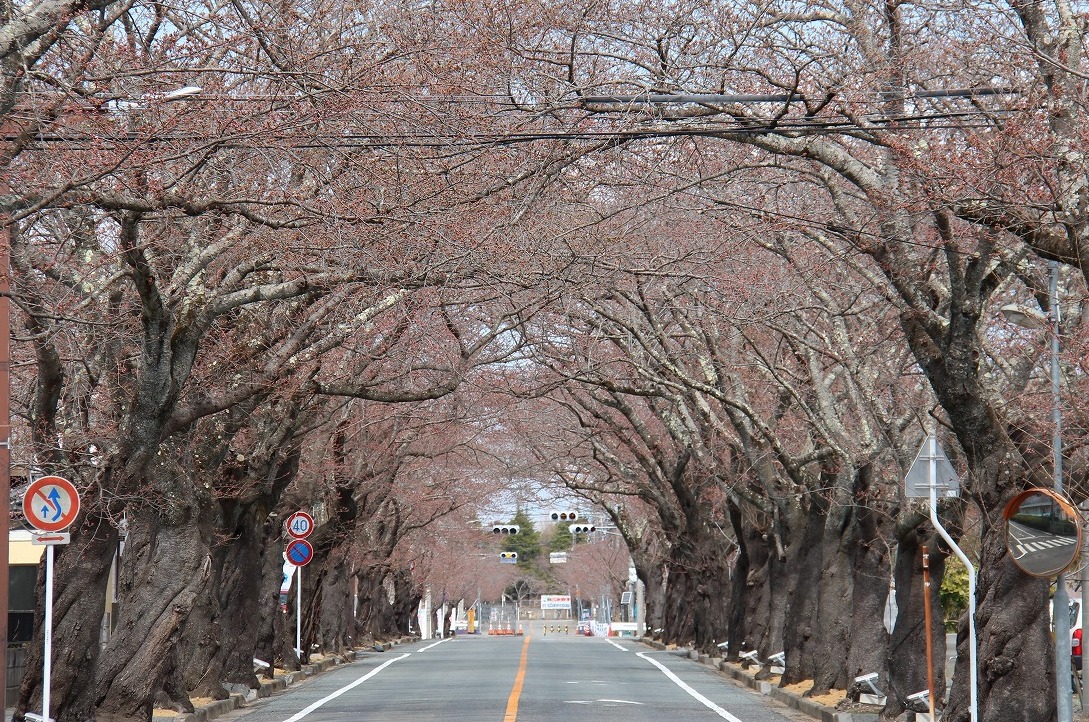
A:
(726, 99)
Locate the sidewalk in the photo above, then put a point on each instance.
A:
(790, 699)
(212, 709)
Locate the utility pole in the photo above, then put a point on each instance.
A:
(5, 426)
(1062, 602)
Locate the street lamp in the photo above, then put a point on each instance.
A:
(1033, 319)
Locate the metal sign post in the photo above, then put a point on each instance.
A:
(932, 462)
(298, 614)
(299, 552)
(50, 505)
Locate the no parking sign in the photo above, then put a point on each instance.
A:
(299, 552)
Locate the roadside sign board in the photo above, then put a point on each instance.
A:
(917, 481)
(50, 539)
(300, 525)
(299, 552)
(557, 558)
(51, 504)
(555, 601)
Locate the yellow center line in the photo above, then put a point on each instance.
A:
(516, 691)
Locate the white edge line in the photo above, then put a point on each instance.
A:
(622, 649)
(346, 688)
(680, 683)
(434, 645)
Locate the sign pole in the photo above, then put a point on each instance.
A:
(298, 614)
(929, 641)
(932, 442)
(299, 526)
(47, 662)
(50, 505)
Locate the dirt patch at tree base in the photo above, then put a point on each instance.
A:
(831, 699)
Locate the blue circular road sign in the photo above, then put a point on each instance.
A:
(299, 552)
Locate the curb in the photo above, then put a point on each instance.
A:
(204, 713)
(802, 704)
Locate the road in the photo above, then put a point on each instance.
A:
(1040, 552)
(519, 679)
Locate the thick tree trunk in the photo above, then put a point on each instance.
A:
(656, 596)
(748, 586)
(335, 615)
(698, 584)
(81, 572)
(406, 600)
(677, 617)
(220, 637)
(907, 646)
(166, 566)
(777, 600)
(1016, 672)
(650, 572)
(872, 568)
(377, 617)
(850, 629)
(1016, 653)
(273, 642)
(804, 574)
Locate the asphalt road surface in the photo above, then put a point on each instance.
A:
(1040, 552)
(524, 679)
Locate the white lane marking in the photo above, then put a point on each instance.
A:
(622, 649)
(680, 683)
(619, 701)
(347, 688)
(433, 645)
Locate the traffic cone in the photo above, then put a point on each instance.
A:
(520, 630)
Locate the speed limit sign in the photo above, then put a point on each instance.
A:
(300, 525)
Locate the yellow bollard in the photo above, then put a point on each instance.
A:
(567, 630)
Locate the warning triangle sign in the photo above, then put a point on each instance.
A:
(917, 481)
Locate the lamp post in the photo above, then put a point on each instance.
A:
(1061, 616)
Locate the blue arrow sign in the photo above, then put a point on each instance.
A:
(55, 500)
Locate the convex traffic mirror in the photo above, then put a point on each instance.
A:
(1043, 532)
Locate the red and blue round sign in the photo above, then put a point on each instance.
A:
(299, 552)
(51, 504)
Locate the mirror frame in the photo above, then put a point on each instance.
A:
(1065, 504)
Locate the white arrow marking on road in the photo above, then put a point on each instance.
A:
(347, 688)
(680, 683)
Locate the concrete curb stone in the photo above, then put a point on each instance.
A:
(269, 687)
(794, 701)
